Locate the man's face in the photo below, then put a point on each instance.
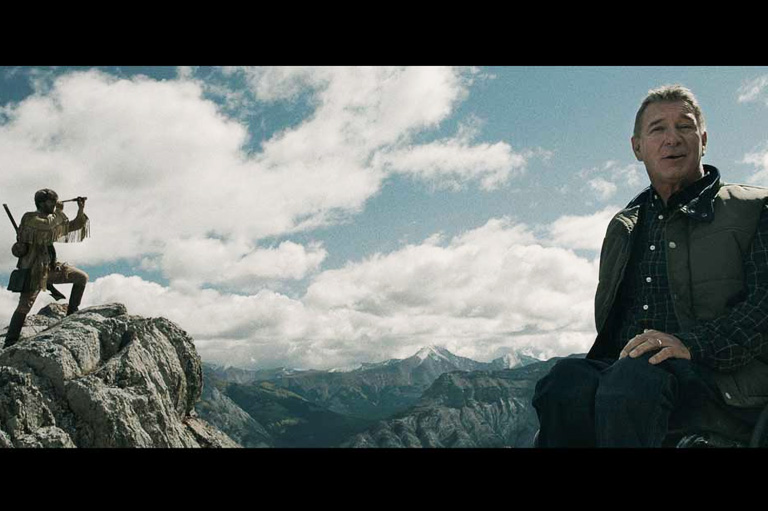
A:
(671, 143)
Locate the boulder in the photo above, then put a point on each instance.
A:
(102, 378)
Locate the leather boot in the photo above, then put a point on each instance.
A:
(74, 298)
(14, 329)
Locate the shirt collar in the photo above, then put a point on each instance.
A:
(697, 200)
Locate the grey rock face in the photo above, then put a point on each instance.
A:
(102, 378)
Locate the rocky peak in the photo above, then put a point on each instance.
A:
(435, 360)
(102, 378)
(435, 352)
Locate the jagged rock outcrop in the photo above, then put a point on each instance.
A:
(102, 378)
(465, 409)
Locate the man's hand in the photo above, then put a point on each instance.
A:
(669, 346)
(59, 205)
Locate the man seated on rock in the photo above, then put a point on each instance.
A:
(681, 306)
(39, 230)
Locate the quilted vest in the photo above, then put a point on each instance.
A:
(705, 271)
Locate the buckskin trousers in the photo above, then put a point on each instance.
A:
(629, 403)
(64, 274)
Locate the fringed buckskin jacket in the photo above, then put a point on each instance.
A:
(39, 232)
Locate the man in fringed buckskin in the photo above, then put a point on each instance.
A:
(39, 230)
(681, 306)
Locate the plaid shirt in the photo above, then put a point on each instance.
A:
(725, 343)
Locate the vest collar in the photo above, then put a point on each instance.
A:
(700, 207)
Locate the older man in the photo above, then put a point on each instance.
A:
(39, 230)
(681, 306)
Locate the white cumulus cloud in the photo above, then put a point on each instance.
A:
(207, 260)
(488, 286)
(453, 162)
(489, 289)
(582, 232)
(607, 179)
(163, 165)
(753, 89)
(604, 189)
(760, 160)
(175, 182)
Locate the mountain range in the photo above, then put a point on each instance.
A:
(465, 409)
(104, 378)
(357, 407)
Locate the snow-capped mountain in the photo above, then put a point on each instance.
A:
(432, 361)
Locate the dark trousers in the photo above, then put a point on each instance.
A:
(630, 403)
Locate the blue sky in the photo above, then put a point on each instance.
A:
(323, 217)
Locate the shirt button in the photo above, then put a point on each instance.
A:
(645, 307)
(727, 395)
(672, 244)
(648, 279)
(653, 247)
(661, 217)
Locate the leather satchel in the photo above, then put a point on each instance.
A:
(19, 281)
(20, 249)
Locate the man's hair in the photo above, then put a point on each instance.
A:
(670, 93)
(43, 195)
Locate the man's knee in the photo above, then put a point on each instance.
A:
(638, 369)
(77, 276)
(634, 379)
(570, 380)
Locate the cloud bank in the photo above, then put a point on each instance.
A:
(177, 182)
(167, 169)
(482, 293)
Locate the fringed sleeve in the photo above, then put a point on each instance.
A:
(37, 230)
(43, 230)
(40, 232)
(78, 229)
